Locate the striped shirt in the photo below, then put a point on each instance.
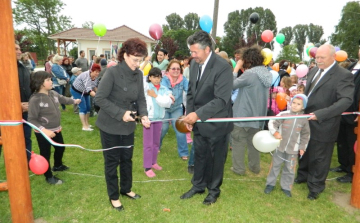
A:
(84, 84)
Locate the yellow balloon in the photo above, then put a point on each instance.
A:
(267, 54)
(147, 68)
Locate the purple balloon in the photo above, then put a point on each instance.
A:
(337, 48)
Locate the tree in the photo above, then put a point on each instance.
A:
(288, 33)
(24, 42)
(192, 21)
(180, 38)
(289, 52)
(315, 33)
(234, 30)
(300, 34)
(175, 21)
(347, 34)
(88, 25)
(169, 44)
(42, 19)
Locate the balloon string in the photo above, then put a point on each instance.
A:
(212, 39)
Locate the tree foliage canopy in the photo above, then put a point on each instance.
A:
(315, 33)
(42, 18)
(289, 52)
(288, 33)
(347, 33)
(300, 34)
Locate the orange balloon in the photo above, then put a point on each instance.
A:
(275, 67)
(288, 70)
(180, 125)
(341, 56)
(281, 101)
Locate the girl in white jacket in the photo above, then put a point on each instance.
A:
(158, 97)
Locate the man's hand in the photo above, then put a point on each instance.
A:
(191, 118)
(312, 117)
(127, 117)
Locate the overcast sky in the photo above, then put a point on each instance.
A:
(141, 14)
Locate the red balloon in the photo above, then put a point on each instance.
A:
(155, 31)
(313, 52)
(281, 101)
(38, 164)
(267, 36)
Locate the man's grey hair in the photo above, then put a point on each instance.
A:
(202, 38)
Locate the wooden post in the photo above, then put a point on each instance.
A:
(13, 136)
(58, 46)
(355, 187)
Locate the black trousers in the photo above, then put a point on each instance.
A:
(345, 147)
(315, 164)
(117, 157)
(210, 158)
(45, 150)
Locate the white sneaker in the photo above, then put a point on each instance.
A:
(88, 129)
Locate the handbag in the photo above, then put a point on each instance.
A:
(60, 81)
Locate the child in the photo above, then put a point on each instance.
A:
(44, 113)
(157, 99)
(295, 135)
(301, 89)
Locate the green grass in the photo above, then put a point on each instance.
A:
(83, 196)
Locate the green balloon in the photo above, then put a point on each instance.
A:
(233, 63)
(308, 50)
(280, 38)
(99, 29)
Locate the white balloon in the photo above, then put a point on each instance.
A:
(265, 142)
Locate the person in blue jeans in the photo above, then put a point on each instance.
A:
(174, 80)
(58, 72)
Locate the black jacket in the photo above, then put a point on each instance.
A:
(24, 82)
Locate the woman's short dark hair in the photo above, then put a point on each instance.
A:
(155, 72)
(37, 80)
(161, 50)
(252, 57)
(133, 46)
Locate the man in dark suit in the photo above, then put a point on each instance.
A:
(330, 91)
(347, 137)
(209, 96)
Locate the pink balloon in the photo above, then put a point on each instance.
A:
(267, 36)
(155, 31)
(38, 164)
(313, 52)
(302, 70)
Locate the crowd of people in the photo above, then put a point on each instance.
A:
(205, 85)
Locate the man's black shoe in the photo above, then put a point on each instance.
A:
(268, 189)
(337, 169)
(210, 199)
(286, 192)
(313, 195)
(344, 179)
(298, 181)
(190, 194)
(191, 169)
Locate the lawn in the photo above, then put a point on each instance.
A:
(83, 197)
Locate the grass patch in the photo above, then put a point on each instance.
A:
(83, 196)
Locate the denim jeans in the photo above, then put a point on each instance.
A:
(61, 90)
(84, 106)
(180, 137)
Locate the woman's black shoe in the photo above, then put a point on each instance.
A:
(120, 208)
(135, 197)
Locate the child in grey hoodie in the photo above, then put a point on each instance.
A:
(294, 135)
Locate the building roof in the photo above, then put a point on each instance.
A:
(119, 34)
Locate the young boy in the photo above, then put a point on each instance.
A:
(295, 135)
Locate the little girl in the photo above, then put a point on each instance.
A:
(158, 97)
(45, 114)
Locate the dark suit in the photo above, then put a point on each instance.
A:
(332, 95)
(346, 137)
(210, 99)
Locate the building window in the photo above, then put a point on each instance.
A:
(107, 54)
(91, 53)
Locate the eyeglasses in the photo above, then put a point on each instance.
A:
(135, 60)
(175, 68)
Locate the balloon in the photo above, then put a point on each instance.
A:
(281, 101)
(276, 67)
(265, 142)
(180, 125)
(280, 38)
(206, 23)
(99, 29)
(38, 164)
(288, 69)
(147, 68)
(355, 146)
(111, 63)
(267, 36)
(310, 44)
(302, 70)
(308, 50)
(275, 78)
(317, 45)
(155, 31)
(341, 56)
(254, 17)
(313, 51)
(267, 54)
(337, 48)
(233, 63)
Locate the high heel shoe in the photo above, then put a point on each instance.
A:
(120, 208)
(135, 197)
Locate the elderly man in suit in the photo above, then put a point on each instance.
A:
(330, 90)
(209, 96)
(347, 137)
